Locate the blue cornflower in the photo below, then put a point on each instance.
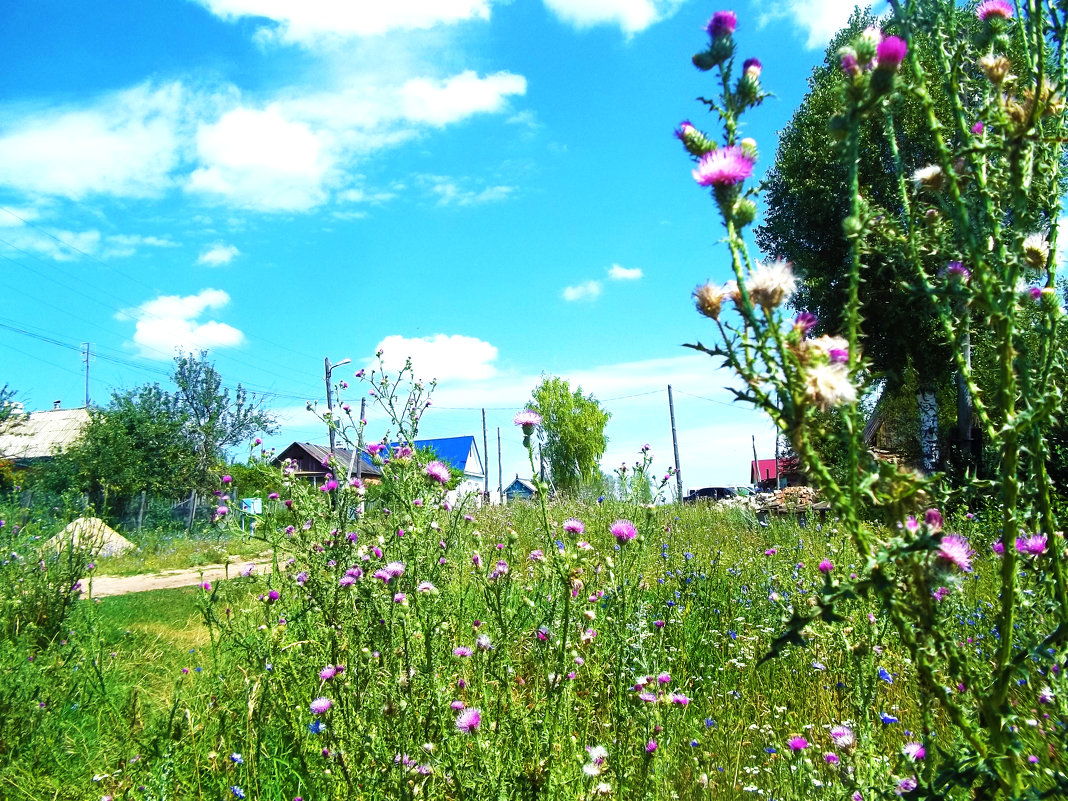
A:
(600, 499)
(885, 718)
(236, 759)
(694, 743)
(316, 726)
(770, 750)
(559, 545)
(732, 634)
(687, 556)
(885, 676)
(709, 723)
(237, 791)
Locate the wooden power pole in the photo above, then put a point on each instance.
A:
(675, 444)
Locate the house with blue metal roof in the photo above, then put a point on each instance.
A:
(459, 453)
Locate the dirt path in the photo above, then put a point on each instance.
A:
(104, 586)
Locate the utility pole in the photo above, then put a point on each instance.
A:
(500, 474)
(756, 462)
(359, 441)
(675, 443)
(329, 368)
(86, 374)
(485, 456)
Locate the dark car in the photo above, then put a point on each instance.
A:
(710, 494)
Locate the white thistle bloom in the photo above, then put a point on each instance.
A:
(828, 385)
(929, 177)
(1036, 250)
(771, 284)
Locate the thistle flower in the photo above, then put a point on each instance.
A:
(1036, 251)
(956, 551)
(797, 743)
(929, 177)
(994, 9)
(709, 300)
(320, 706)
(956, 269)
(727, 166)
(771, 284)
(752, 68)
(828, 385)
(623, 531)
(843, 736)
(574, 526)
(914, 751)
(469, 720)
(805, 322)
(890, 53)
(826, 566)
(722, 23)
(527, 419)
(1034, 545)
(461, 651)
(439, 472)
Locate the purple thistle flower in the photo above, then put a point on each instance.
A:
(955, 550)
(890, 53)
(623, 531)
(722, 23)
(574, 526)
(933, 519)
(650, 747)
(527, 419)
(437, 471)
(805, 322)
(914, 751)
(956, 269)
(906, 785)
(998, 547)
(320, 706)
(940, 594)
(664, 678)
(826, 566)
(461, 651)
(726, 166)
(1035, 545)
(797, 743)
(328, 673)
(752, 68)
(678, 699)
(395, 569)
(843, 736)
(849, 63)
(469, 720)
(977, 128)
(1001, 9)
(830, 758)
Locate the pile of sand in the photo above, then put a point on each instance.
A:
(93, 534)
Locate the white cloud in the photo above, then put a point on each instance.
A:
(261, 160)
(218, 255)
(458, 192)
(440, 356)
(126, 143)
(617, 273)
(589, 290)
(632, 16)
(309, 22)
(63, 245)
(818, 19)
(171, 322)
(450, 100)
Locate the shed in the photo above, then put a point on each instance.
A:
(521, 489)
(41, 435)
(308, 460)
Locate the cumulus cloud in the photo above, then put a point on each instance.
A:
(446, 101)
(617, 273)
(310, 22)
(632, 16)
(125, 143)
(64, 245)
(459, 191)
(590, 290)
(218, 255)
(259, 159)
(819, 20)
(171, 322)
(440, 356)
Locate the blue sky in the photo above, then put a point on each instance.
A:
(491, 187)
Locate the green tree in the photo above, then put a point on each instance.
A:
(139, 443)
(214, 418)
(572, 433)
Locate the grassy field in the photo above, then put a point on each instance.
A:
(654, 656)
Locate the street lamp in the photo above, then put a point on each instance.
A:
(330, 396)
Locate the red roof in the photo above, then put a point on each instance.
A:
(768, 469)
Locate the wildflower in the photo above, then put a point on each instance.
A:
(1033, 759)
(805, 322)
(826, 566)
(995, 68)
(1034, 545)
(722, 24)
(830, 758)
(437, 471)
(272, 596)
(771, 284)
(994, 9)
(461, 651)
(726, 166)
(695, 142)
(236, 759)
(709, 300)
(483, 642)
(914, 751)
(237, 791)
(886, 718)
(956, 269)
(394, 569)
(316, 727)
(574, 526)
(940, 594)
(527, 419)
(469, 720)
(1045, 695)
(977, 128)
(623, 531)
(752, 68)
(320, 706)
(679, 699)
(221, 512)
(906, 785)
(843, 736)
(929, 177)
(797, 743)
(771, 551)
(828, 385)
(542, 633)
(890, 53)
(1036, 251)
(537, 555)
(328, 673)
(955, 550)
(400, 598)
(933, 519)
(425, 587)
(650, 747)
(206, 586)
(272, 496)
(885, 675)
(664, 678)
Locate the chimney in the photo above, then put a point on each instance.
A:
(55, 406)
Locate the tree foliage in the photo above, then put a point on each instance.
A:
(214, 419)
(572, 433)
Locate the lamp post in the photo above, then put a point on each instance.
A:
(330, 397)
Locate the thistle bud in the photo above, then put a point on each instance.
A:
(867, 45)
(995, 68)
(744, 212)
(709, 300)
(695, 142)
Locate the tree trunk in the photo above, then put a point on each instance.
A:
(141, 510)
(927, 401)
(192, 510)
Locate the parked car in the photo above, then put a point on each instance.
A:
(711, 494)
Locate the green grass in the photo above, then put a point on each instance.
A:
(161, 550)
